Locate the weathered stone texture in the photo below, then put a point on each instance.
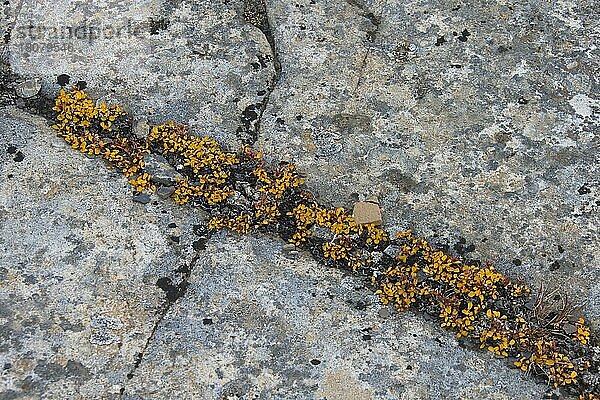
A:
(475, 124)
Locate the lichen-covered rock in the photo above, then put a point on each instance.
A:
(475, 123)
(256, 325)
(196, 62)
(79, 262)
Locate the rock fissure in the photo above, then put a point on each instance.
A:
(173, 292)
(256, 14)
(371, 37)
(542, 334)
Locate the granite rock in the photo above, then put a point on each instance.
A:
(79, 262)
(195, 62)
(257, 325)
(474, 124)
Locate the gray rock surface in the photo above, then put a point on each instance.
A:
(189, 61)
(478, 121)
(477, 125)
(79, 262)
(256, 325)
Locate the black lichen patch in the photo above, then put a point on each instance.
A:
(255, 13)
(156, 25)
(8, 82)
(172, 291)
(250, 120)
(19, 157)
(584, 189)
(440, 41)
(63, 79)
(464, 35)
(250, 116)
(199, 244)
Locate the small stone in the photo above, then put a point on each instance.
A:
(383, 312)
(164, 192)
(142, 198)
(29, 88)
(289, 247)
(367, 212)
(531, 304)
(291, 255)
(160, 170)
(391, 251)
(141, 129)
(552, 394)
(569, 329)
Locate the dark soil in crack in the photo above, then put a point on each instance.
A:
(255, 13)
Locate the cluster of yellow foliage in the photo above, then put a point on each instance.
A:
(276, 182)
(474, 301)
(582, 334)
(87, 127)
(238, 224)
(465, 296)
(208, 164)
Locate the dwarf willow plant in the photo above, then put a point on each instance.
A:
(243, 193)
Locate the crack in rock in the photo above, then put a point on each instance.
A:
(365, 12)
(173, 292)
(368, 14)
(255, 13)
(11, 26)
